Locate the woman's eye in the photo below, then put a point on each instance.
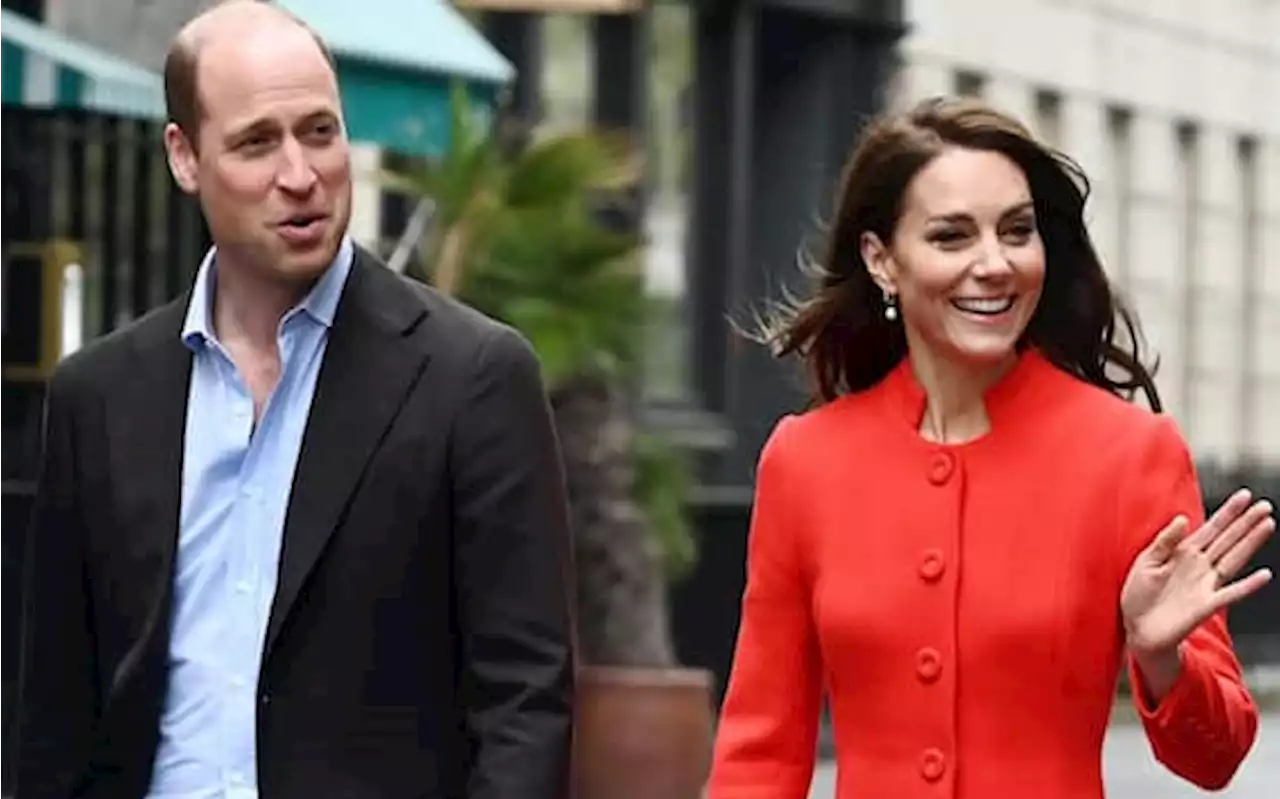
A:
(1021, 232)
(947, 236)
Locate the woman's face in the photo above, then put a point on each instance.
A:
(966, 262)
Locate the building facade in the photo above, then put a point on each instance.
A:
(1171, 108)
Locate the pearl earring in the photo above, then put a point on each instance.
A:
(890, 306)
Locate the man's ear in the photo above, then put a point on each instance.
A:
(182, 158)
(879, 262)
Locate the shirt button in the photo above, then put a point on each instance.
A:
(928, 664)
(941, 467)
(236, 778)
(242, 586)
(237, 681)
(932, 565)
(933, 764)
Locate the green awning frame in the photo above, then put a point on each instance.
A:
(42, 68)
(397, 63)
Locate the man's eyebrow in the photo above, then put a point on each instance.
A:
(259, 125)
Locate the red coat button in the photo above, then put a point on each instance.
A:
(941, 468)
(933, 764)
(928, 664)
(932, 565)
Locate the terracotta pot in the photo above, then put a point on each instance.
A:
(642, 733)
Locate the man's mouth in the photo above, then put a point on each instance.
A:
(301, 221)
(984, 306)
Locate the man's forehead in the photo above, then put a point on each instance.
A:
(252, 42)
(240, 71)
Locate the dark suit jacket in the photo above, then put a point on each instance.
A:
(420, 641)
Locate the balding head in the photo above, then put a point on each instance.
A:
(229, 20)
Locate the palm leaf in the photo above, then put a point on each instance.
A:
(517, 236)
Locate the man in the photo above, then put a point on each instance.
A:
(301, 533)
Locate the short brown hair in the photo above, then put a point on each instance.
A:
(181, 92)
(841, 332)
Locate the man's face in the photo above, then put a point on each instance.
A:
(271, 165)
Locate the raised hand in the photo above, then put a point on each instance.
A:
(1180, 580)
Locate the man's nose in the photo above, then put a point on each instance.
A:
(295, 173)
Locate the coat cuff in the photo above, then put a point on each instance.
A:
(1174, 701)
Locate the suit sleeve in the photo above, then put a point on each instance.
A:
(767, 733)
(1206, 724)
(58, 697)
(513, 580)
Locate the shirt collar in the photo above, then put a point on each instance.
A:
(321, 303)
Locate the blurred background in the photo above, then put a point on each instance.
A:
(660, 165)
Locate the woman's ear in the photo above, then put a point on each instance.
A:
(879, 262)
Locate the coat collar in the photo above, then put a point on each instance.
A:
(905, 397)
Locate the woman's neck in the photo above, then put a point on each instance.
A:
(955, 408)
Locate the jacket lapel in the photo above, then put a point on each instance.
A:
(146, 431)
(370, 364)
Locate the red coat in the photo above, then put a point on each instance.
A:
(959, 604)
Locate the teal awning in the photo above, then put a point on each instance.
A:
(397, 62)
(42, 68)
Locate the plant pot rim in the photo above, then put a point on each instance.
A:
(658, 676)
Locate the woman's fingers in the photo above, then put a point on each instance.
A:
(1238, 554)
(1246, 522)
(1227, 512)
(1234, 592)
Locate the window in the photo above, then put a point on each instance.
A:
(670, 142)
(970, 84)
(31, 9)
(1120, 145)
(1252, 288)
(1189, 220)
(567, 72)
(1048, 113)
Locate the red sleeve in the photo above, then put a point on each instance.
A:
(1206, 724)
(768, 725)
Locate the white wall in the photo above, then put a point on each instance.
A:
(139, 30)
(1154, 98)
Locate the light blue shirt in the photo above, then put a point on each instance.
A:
(235, 492)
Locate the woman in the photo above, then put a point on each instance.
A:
(967, 538)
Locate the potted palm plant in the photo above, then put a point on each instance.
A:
(517, 233)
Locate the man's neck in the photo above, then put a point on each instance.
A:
(247, 310)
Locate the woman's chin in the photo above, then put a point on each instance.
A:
(986, 351)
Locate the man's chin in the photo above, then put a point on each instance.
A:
(310, 263)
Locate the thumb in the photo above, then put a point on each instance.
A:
(1167, 540)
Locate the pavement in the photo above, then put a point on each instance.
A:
(1130, 771)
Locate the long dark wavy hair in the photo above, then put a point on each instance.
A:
(841, 332)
